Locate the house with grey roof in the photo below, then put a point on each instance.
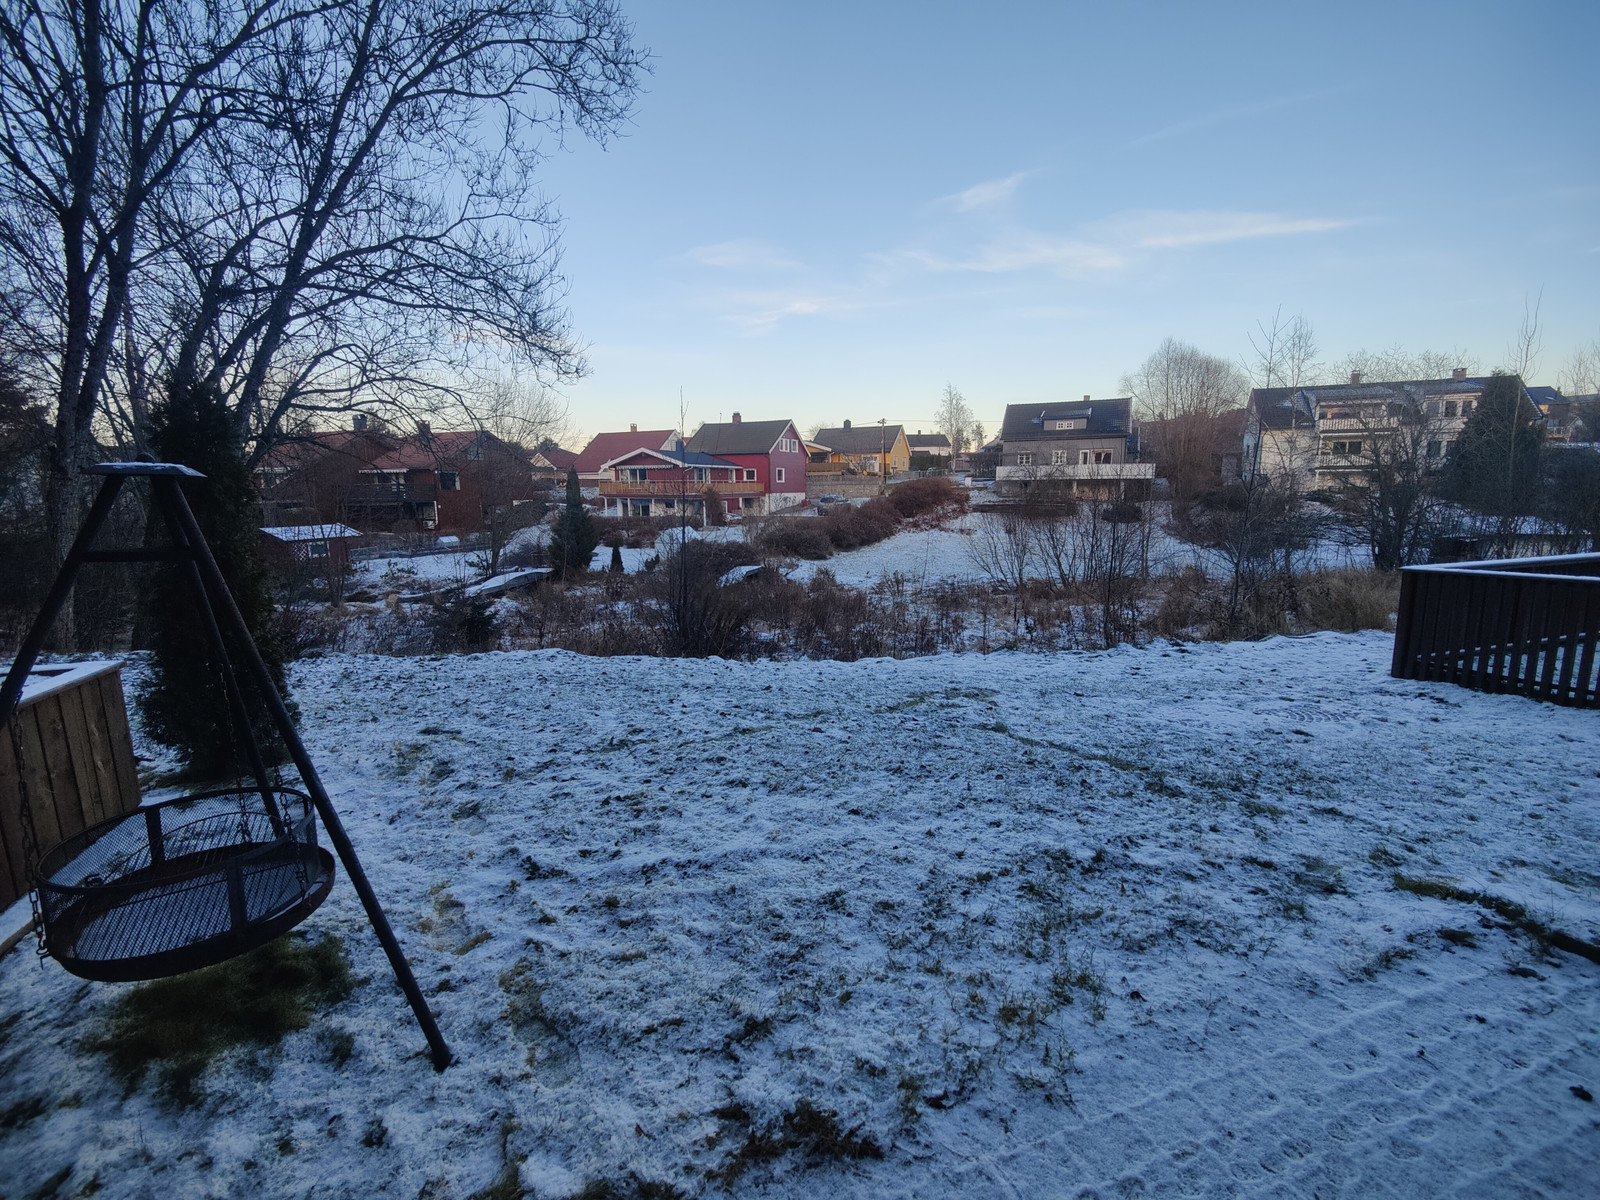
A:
(1089, 445)
(1326, 433)
(931, 445)
(880, 449)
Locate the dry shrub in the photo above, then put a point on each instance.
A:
(852, 526)
(1184, 605)
(794, 537)
(1347, 600)
(918, 496)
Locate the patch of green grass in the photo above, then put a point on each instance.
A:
(178, 1026)
(1459, 937)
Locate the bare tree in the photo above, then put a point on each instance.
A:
(1002, 546)
(319, 201)
(1179, 394)
(1522, 355)
(1390, 494)
(1397, 364)
(1581, 375)
(101, 103)
(954, 419)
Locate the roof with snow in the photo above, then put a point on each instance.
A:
(604, 447)
(861, 439)
(739, 437)
(309, 533)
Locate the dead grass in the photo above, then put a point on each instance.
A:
(1514, 914)
(178, 1026)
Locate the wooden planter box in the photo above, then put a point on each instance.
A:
(77, 761)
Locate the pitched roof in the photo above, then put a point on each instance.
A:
(738, 437)
(558, 458)
(1276, 408)
(425, 452)
(295, 454)
(1105, 418)
(681, 458)
(604, 447)
(860, 439)
(928, 441)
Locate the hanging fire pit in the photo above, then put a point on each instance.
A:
(182, 884)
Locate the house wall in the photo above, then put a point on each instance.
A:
(1043, 450)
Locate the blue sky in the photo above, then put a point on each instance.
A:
(828, 211)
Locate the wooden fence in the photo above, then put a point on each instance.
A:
(1527, 625)
(76, 762)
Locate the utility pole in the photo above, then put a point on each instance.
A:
(883, 452)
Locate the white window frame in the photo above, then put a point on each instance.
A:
(777, 475)
(749, 474)
(1060, 458)
(1024, 458)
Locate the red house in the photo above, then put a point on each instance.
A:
(770, 458)
(604, 447)
(445, 482)
(659, 483)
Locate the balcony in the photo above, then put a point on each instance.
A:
(673, 488)
(1077, 471)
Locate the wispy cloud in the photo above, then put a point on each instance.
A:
(1156, 230)
(1239, 112)
(758, 312)
(982, 195)
(1021, 251)
(743, 254)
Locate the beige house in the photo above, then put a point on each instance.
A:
(1324, 436)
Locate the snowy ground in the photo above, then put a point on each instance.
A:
(1112, 924)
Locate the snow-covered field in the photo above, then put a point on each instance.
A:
(1115, 924)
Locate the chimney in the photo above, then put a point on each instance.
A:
(423, 431)
(1458, 374)
(359, 422)
(1086, 399)
(633, 429)
(1355, 377)
(847, 424)
(735, 418)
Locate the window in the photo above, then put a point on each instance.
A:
(1102, 456)
(1346, 448)
(749, 474)
(317, 549)
(1435, 447)
(1060, 458)
(449, 481)
(1067, 424)
(1449, 408)
(1432, 408)
(1466, 408)
(777, 474)
(1083, 458)
(1024, 458)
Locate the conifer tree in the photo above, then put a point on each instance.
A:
(573, 543)
(1494, 465)
(184, 703)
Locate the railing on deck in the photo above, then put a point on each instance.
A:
(1525, 625)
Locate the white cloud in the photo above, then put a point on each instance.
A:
(982, 195)
(757, 312)
(1172, 230)
(743, 254)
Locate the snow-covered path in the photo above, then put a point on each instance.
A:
(1111, 924)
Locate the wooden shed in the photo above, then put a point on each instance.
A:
(76, 761)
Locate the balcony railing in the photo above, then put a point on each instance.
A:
(1078, 471)
(674, 488)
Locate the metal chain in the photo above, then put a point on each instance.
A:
(30, 837)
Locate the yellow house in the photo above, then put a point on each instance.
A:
(871, 449)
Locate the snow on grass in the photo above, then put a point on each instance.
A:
(1107, 924)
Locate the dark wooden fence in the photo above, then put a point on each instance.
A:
(1527, 625)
